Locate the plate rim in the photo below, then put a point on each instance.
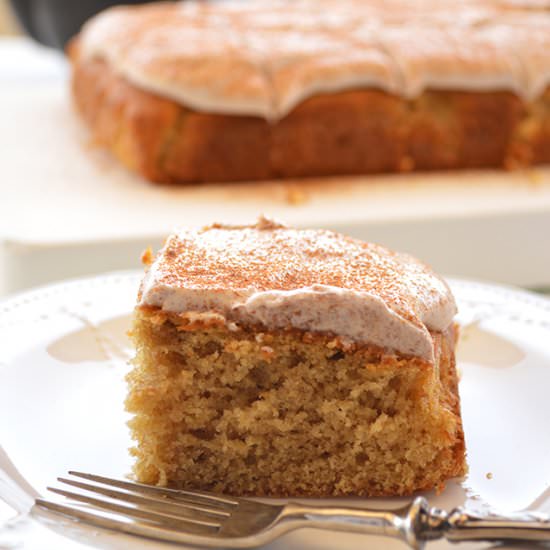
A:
(50, 290)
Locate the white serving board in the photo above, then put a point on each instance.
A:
(68, 209)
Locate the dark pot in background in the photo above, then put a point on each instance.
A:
(54, 22)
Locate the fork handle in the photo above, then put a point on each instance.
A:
(416, 524)
(461, 525)
(403, 523)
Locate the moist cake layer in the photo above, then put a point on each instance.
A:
(283, 413)
(312, 280)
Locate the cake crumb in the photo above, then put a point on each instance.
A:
(267, 352)
(296, 195)
(267, 223)
(147, 256)
(332, 344)
(534, 177)
(489, 475)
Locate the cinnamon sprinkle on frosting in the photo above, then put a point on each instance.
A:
(314, 280)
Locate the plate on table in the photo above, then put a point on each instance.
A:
(65, 353)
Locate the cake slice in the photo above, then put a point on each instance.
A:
(280, 362)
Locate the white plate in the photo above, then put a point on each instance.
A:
(64, 353)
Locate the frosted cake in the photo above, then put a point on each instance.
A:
(280, 362)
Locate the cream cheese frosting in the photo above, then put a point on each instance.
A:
(264, 58)
(312, 280)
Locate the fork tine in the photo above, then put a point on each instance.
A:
(152, 501)
(132, 528)
(129, 511)
(212, 498)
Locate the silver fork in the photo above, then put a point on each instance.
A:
(211, 520)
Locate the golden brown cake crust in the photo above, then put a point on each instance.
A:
(352, 132)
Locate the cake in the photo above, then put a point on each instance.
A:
(280, 362)
(237, 90)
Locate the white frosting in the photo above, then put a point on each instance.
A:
(263, 59)
(389, 319)
(355, 316)
(302, 66)
(431, 58)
